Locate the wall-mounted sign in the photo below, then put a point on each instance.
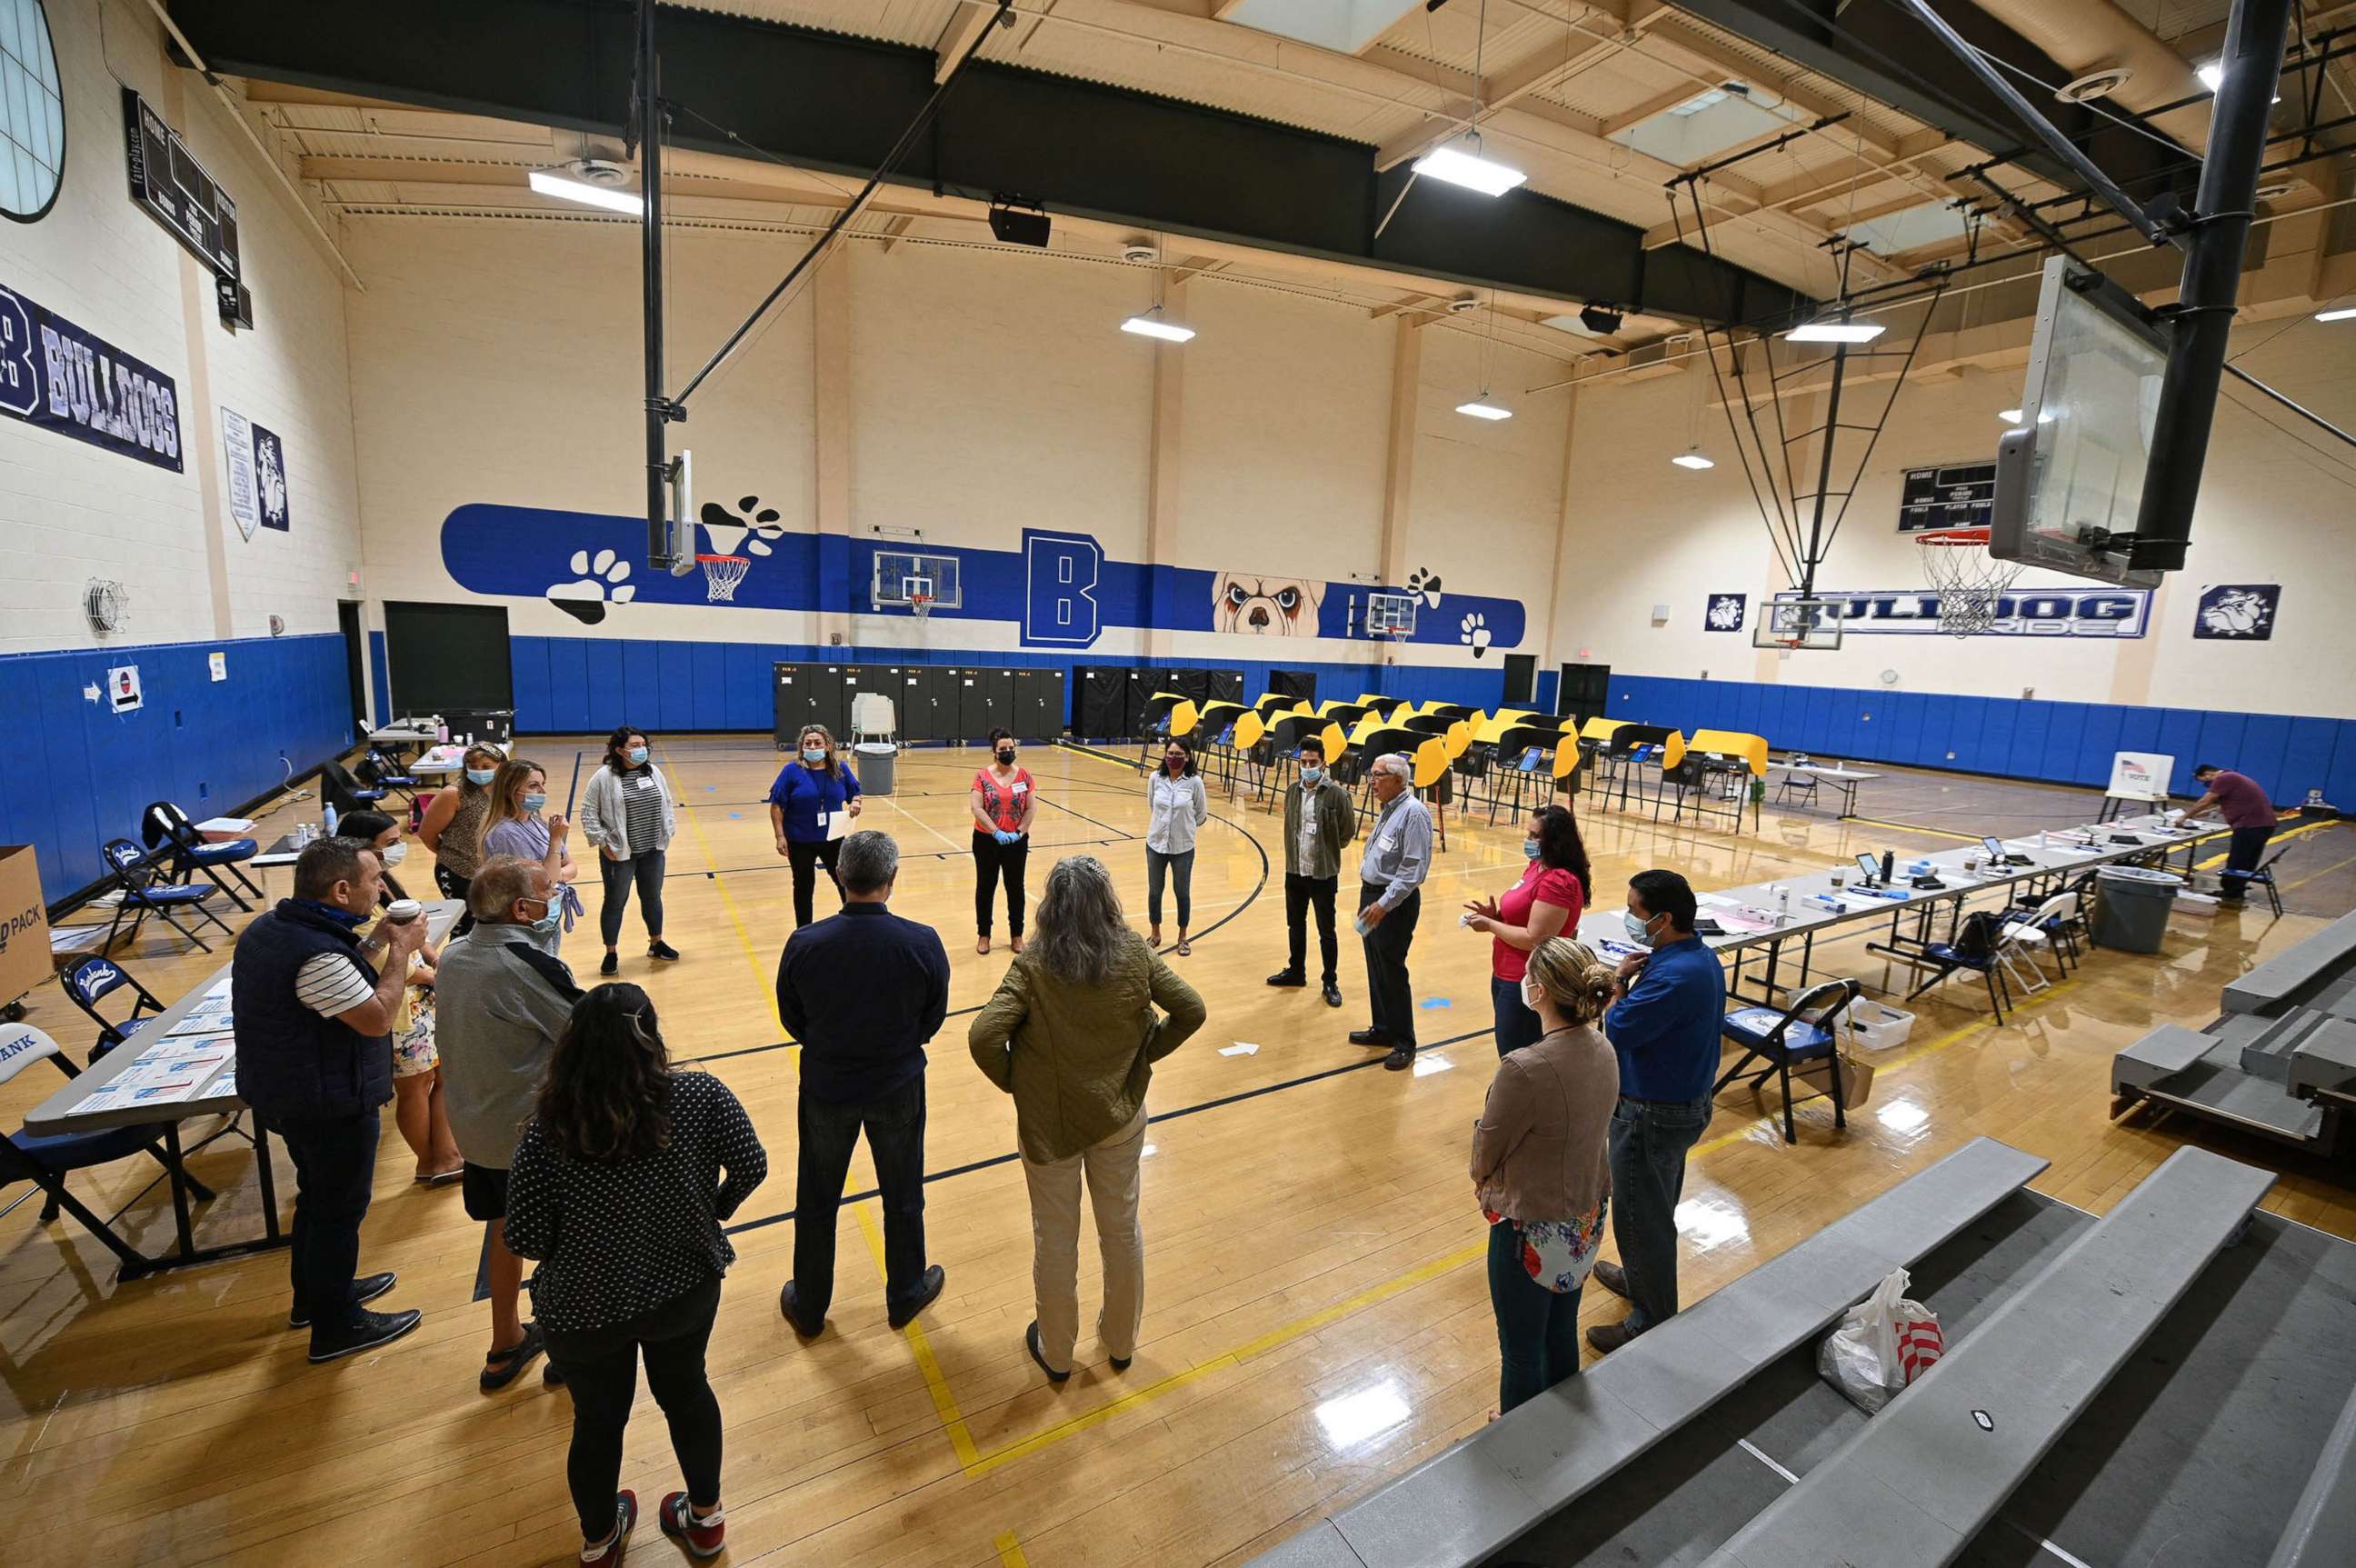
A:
(2238, 612)
(1725, 613)
(53, 373)
(1949, 495)
(123, 687)
(219, 664)
(237, 470)
(167, 179)
(269, 477)
(2026, 612)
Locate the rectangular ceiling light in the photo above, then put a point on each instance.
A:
(2335, 315)
(1459, 164)
(1692, 460)
(550, 183)
(1480, 410)
(1154, 326)
(1835, 332)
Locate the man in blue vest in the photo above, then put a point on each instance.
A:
(314, 1060)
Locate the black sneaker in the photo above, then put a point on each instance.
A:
(1288, 977)
(365, 1331)
(1401, 1059)
(928, 1291)
(662, 950)
(612, 964)
(363, 1290)
(790, 1302)
(1333, 995)
(1376, 1039)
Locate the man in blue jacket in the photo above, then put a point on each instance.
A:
(1664, 1028)
(314, 1060)
(862, 992)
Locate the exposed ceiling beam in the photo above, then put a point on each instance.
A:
(1613, 124)
(892, 229)
(965, 25)
(1689, 40)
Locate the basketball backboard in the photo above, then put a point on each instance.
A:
(1390, 615)
(2071, 473)
(901, 572)
(1794, 623)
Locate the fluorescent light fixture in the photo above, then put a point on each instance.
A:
(1480, 410)
(2335, 315)
(2212, 75)
(1835, 332)
(1461, 163)
(548, 182)
(1692, 460)
(1154, 326)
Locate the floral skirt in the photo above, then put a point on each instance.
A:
(412, 1045)
(1559, 1254)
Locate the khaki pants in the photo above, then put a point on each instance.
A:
(1112, 1181)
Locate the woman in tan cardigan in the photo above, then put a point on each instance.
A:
(1541, 1167)
(1072, 1035)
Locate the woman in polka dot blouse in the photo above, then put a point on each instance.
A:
(620, 1186)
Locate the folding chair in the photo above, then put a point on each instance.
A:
(87, 980)
(1979, 947)
(1806, 1029)
(166, 828)
(346, 794)
(1797, 783)
(2264, 876)
(2050, 925)
(145, 891)
(44, 1159)
(382, 772)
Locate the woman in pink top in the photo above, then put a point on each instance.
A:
(1547, 902)
(1003, 798)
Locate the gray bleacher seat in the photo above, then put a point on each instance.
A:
(1466, 1502)
(1922, 1479)
(2162, 1054)
(2322, 1533)
(2308, 963)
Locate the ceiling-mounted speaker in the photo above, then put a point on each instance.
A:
(2095, 84)
(1600, 319)
(1018, 223)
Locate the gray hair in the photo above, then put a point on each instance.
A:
(1397, 762)
(868, 862)
(1079, 921)
(326, 862)
(504, 878)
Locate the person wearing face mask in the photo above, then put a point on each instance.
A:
(1175, 806)
(815, 795)
(1664, 1028)
(417, 1108)
(516, 823)
(313, 1027)
(627, 813)
(1319, 822)
(1541, 1169)
(451, 830)
(1003, 801)
(504, 1000)
(1546, 902)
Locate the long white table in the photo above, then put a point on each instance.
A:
(1754, 917)
(217, 1096)
(1844, 779)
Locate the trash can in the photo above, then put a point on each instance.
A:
(876, 759)
(2131, 907)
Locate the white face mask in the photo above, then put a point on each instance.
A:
(1530, 995)
(393, 855)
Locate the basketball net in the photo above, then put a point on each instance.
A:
(721, 575)
(922, 604)
(1970, 582)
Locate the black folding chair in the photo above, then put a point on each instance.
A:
(1805, 1030)
(185, 851)
(88, 979)
(144, 890)
(2264, 876)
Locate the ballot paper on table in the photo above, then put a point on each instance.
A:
(206, 1019)
(1240, 1048)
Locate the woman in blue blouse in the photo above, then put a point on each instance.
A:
(803, 804)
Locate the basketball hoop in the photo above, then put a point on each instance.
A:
(721, 575)
(1970, 582)
(922, 604)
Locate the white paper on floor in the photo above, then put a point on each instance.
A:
(1240, 1048)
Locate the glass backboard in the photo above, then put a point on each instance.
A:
(2071, 471)
(1789, 622)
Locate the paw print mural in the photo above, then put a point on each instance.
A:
(1425, 581)
(747, 530)
(598, 580)
(1474, 633)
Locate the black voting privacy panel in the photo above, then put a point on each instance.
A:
(1223, 685)
(1297, 684)
(1100, 711)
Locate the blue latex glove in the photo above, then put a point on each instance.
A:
(1004, 836)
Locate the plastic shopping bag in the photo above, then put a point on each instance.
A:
(1884, 1343)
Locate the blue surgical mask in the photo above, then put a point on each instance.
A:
(1640, 932)
(1529, 849)
(637, 755)
(1311, 777)
(481, 775)
(813, 754)
(534, 802)
(549, 918)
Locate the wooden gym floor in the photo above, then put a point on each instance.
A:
(1317, 1316)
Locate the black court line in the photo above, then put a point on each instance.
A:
(1225, 1100)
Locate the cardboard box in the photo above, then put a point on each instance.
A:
(24, 923)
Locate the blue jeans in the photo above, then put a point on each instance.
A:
(1517, 1025)
(1537, 1329)
(1649, 1140)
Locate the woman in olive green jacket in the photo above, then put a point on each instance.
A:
(1072, 1035)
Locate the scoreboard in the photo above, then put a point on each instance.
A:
(167, 179)
(1951, 495)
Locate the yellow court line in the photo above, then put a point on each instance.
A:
(2318, 872)
(2215, 861)
(1911, 828)
(936, 1384)
(1010, 1552)
(762, 977)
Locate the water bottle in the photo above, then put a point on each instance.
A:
(331, 818)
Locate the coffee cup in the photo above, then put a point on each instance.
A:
(400, 911)
(1840, 880)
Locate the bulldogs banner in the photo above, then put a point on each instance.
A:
(2024, 612)
(52, 373)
